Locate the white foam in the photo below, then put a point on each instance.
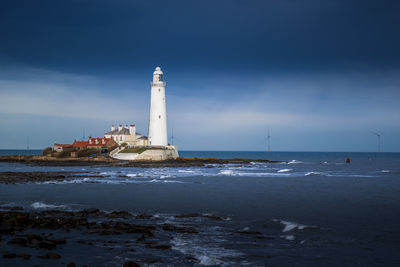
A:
(288, 237)
(385, 171)
(263, 174)
(294, 162)
(285, 170)
(185, 171)
(289, 226)
(312, 173)
(206, 253)
(226, 172)
(131, 175)
(42, 205)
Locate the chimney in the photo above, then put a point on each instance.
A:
(120, 127)
(132, 130)
(112, 128)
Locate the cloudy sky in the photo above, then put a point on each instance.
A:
(321, 74)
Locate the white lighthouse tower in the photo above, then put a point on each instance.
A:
(158, 112)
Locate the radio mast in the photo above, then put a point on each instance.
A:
(379, 140)
(172, 137)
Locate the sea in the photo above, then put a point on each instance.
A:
(311, 209)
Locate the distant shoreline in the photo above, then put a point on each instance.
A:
(109, 162)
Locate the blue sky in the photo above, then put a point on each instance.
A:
(320, 74)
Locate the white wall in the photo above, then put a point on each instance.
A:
(158, 116)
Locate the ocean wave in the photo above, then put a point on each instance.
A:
(285, 170)
(288, 237)
(226, 172)
(253, 174)
(186, 171)
(289, 226)
(42, 205)
(203, 251)
(312, 173)
(294, 162)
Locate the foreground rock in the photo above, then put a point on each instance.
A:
(45, 234)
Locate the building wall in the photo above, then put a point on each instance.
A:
(159, 154)
(131, 139)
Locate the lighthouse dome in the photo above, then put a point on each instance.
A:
(158, 71)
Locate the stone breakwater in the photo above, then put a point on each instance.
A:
(109, 162)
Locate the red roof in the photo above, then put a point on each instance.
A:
(80, 143)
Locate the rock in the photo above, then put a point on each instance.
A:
(179, 229)
(50, 255)
(142, 238)
(11, 208)
(144, 216)
(18, 241)
(195, 215)
(189, 215)
(213, 217)
(57, 241)
(8, 255)
(119, 214)
(91, 210)
(247, 232)
(159, 246)
(71, 264)
(34, 238)
(47, 245)
(131, 264)
(24, 256)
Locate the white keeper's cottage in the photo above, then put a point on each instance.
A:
(126, 135)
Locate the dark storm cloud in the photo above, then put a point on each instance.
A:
(93, 36)
(320, 73)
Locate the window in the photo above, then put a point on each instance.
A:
(159, 116)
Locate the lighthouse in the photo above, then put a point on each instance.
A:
(158, 112)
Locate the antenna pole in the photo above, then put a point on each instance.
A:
(83, 137)
(268, 138)
(172, 136)
(379, 140)
(379, 143)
